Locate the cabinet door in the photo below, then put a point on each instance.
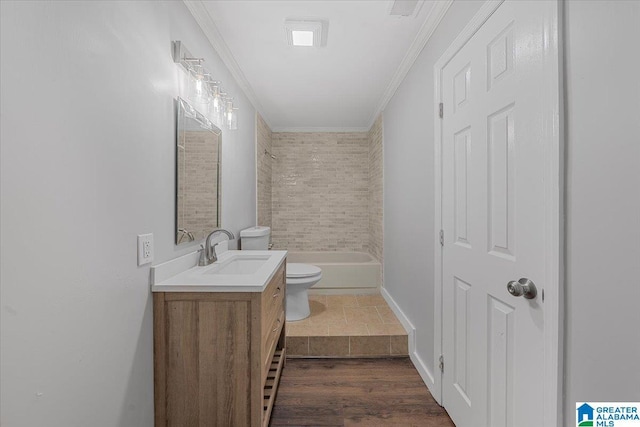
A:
(208, 363)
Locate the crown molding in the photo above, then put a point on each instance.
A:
(208, 26)
(319, 129)
(427, 29)
(205, 21)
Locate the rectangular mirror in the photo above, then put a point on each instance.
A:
(197, 174)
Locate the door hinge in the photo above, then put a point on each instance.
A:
(441, 364)
(441, 237)
(441, 110)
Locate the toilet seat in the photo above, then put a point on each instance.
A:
(299, 271)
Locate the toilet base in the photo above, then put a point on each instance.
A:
(297, 304)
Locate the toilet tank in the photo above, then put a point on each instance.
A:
(255, 238)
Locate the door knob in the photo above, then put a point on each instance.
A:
(523, 287)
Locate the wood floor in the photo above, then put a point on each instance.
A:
(355, 392)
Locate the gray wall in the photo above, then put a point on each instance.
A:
(603, 203)
(409, 184)
(87, 163)
(602, 207)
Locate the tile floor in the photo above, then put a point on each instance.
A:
(347, 326)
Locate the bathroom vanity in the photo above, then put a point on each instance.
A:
(219, 340)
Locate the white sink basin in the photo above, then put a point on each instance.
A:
(235, 271)
(239, 264)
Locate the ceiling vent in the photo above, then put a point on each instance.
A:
(306, 33)
(404, 7)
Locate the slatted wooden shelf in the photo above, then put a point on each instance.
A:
(271, 385)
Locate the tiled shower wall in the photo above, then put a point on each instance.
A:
(264, 166)
(320, 191)
(323, 192)
(375, 189)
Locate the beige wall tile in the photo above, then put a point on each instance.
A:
(334, 301)
(294, 330)
(298, 346)
(320, 299)
(369, 346)
(308, 330)
(386, 329)
(264, 171)
(399, 345)
(324, 191)
(387, 314)
(329, 316)
(328, 346)
(376, 174)
(362, 315)
(348, 329)
(320, 191)
(371, 301)
(304, 321)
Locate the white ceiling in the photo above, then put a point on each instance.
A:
(342, 86)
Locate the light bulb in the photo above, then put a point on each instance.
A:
(231, 116)
(198, 91)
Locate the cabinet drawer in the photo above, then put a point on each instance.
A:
(273, 300)
(272, 334)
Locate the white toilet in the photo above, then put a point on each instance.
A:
(300, 277)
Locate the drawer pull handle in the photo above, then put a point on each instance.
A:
(277, 293)
(277, 326)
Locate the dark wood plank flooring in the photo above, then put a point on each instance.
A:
(355, 392)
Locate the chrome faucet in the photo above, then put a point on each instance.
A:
(208, 252)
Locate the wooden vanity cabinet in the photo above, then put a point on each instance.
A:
(218, 356)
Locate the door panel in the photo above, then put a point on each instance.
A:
(462, 148)
(462, 347)
(492, 215)
(501, 171)
(500, 374)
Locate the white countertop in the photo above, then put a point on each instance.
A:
(209, 279)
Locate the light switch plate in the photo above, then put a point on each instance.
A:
(145, 248)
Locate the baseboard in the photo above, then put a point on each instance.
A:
(425, 373)
(421, 367)
(408, 326)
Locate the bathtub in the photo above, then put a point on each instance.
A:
(345, 272)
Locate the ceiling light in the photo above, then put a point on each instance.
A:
(302, 38)
(305, 33)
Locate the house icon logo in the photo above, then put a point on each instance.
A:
(585, 415)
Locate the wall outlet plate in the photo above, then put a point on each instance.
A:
(145, 249)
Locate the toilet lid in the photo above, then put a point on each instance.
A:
(302, 270)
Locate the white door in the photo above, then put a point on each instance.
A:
(493, 216)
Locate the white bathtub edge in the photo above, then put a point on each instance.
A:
(425, 373)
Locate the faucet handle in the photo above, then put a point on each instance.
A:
(202, 261)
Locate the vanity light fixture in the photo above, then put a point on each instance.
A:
(204, 90)
(306, 33)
